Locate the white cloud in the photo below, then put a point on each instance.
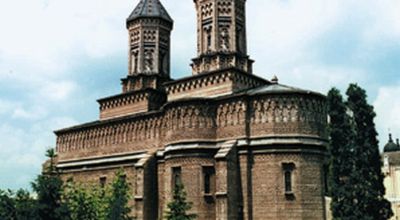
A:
(52, 31)
(22, 149)
(387, 19)
(6, 107)
(31, 114)
(280, 30)
(322, 78)
(58, 91)
(387, 107)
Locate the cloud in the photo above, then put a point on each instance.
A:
(58, 91)
(22, 148)
(32, 114)
(387, 107)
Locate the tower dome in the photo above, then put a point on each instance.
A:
(391, 146)
(149, 27)
(149, 9)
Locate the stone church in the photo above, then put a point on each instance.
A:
(244, 147)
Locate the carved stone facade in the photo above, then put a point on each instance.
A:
(244, 147)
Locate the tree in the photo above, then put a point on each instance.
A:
(341, 157)
(49, 188)
(7, 205)
(17, 206)
(25, 206)
(179, 206)
(367, 175)
(118, 207)
(85, 202)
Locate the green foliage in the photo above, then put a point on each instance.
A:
(25, 206)
(342, 156)
(7, 205)
(355, 166)
(368, 178)
(85, 202)
(118, 207)
(17, 206)
(179, 206)
(49, 189)
(56, 201)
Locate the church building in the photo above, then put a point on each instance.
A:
(244, 147)
(391, 170)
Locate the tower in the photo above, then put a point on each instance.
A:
(221, 36)
(244, 147)
(149, 27)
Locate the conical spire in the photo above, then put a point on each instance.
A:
(149, 8)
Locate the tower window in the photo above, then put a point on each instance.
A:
(208, 179)
(176, 176)
(288, 181)
(103, 181)
(326, 174)
(288, 178)
(208, 40)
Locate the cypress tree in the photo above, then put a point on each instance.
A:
(25, 206)
(341, 157)
(7, 205)
(118, 207)
(49, 188)
(85, 202)
(179, 206)
(368, 178)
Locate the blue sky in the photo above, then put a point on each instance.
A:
(57, 57)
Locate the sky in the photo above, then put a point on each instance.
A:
(57, 57)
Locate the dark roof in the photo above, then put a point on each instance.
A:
(149, 8)
(204, 75)
(391, 146)
(276, 88)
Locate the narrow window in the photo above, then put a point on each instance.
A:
(208, 40)
(103, 181)
(176, 176)
(208, 180)
(288, 181)
(123, 177)
(326, 185)
(207, 183)
(288, 178)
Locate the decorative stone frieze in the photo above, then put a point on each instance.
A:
(288, 114)
(212, 85)
(131, 103)
(198, 120)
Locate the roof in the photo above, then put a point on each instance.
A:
(149, 8)
(276, 88)
(391, 146)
